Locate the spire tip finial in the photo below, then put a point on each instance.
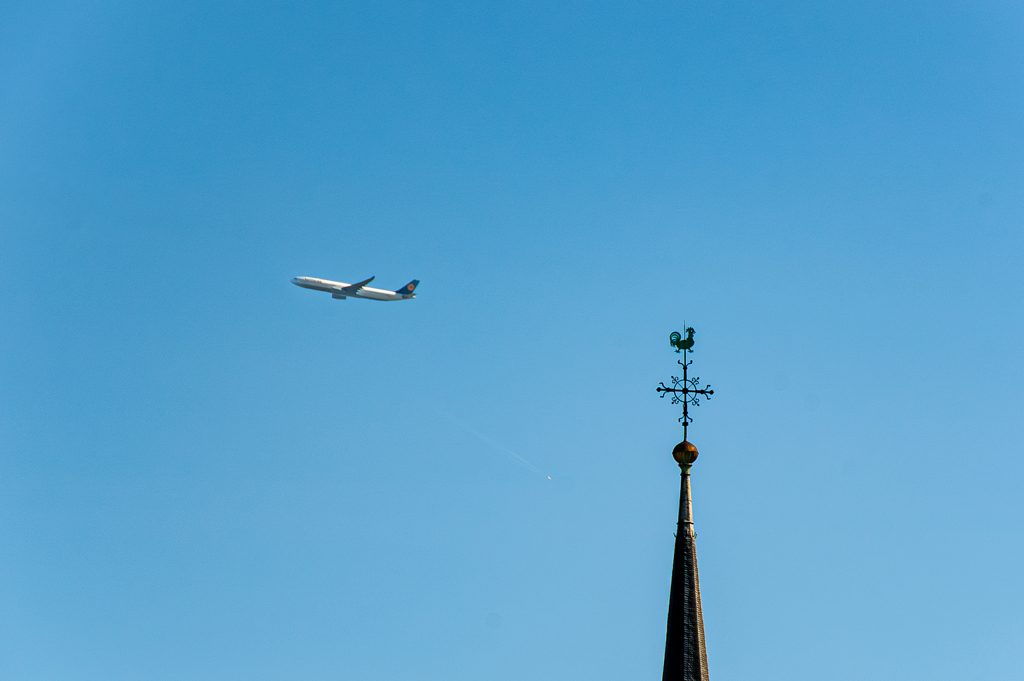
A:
(685, 454)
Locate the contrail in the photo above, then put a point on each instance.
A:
(497, 445)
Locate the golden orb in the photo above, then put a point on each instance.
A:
(684, 453)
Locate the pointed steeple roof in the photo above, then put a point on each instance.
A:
(686, 657)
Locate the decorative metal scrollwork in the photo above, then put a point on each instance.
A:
(685, 390)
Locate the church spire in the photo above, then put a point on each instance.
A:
(686, 657)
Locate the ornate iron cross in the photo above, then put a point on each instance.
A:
(685, 390)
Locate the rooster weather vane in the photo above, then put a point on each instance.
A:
(685, 390)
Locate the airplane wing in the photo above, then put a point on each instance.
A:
(355, 288)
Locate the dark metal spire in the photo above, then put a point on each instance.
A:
(686, 657)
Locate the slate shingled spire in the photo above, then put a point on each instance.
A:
(686, 658)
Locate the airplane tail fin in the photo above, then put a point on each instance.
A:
(408, 288)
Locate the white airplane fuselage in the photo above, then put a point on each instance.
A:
(341, 290)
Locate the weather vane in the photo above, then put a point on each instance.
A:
(685, 390)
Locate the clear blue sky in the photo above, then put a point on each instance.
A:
(208, 473)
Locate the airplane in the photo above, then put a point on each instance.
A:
(340, 290)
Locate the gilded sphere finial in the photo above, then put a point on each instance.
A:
(684, 453)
